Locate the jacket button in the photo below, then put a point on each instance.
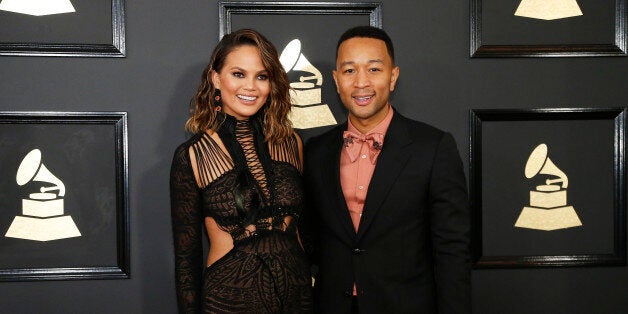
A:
(357, 251)
(348, 293)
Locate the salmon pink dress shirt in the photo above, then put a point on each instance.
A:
(356, 175)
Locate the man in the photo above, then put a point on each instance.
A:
(388, 212)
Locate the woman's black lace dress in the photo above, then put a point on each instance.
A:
(255, 194)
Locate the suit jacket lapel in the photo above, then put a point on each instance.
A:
(390, 163)
(332, 175)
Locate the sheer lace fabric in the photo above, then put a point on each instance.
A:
(253, 191)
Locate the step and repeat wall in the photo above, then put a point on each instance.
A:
(95, 94)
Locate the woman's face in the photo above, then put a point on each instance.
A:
(243, 82)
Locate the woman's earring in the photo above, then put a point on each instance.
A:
(217, 99)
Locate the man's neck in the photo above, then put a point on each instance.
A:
(366, 125)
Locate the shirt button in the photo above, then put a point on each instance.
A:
(363, 156)
(360, 187)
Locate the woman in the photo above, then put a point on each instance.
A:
(239, 177)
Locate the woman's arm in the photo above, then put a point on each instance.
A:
(187, 222)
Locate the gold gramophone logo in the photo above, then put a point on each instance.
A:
(548, 9)
(308, 111)
(42, 216)
(548, 208)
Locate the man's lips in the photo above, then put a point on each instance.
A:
(363, 99)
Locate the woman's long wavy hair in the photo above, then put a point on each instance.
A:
(274, 113)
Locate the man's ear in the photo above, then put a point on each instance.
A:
(393, 78)
(333, 74)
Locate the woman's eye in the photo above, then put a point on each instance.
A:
(238, 74)
(262, 77)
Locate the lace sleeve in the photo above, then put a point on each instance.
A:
(187, 223)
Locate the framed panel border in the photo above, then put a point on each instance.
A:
(228, 8)
(118, 121)
(619, 48)
(117, 48)
(478, 117)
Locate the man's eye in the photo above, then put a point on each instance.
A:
(375, 69)
(348, 71)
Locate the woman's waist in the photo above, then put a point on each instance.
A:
(264, 243)
(267, 241)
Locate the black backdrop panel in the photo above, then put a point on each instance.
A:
(500, 26)
(84, 153)
(583, 150)
(91, 23)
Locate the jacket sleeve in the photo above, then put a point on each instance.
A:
(307, 222)
(449, 223)
(187, 221)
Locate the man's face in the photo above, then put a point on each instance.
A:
(365, 76)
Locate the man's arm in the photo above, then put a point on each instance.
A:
(307, 222)
(449, 221)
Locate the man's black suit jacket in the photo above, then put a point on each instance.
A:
(411, 251)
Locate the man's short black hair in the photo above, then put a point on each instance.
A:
(368, 32)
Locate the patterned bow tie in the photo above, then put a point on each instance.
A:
(353, 143)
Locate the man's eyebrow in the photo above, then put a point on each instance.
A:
(353, 62)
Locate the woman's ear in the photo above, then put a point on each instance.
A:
(215, 79)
